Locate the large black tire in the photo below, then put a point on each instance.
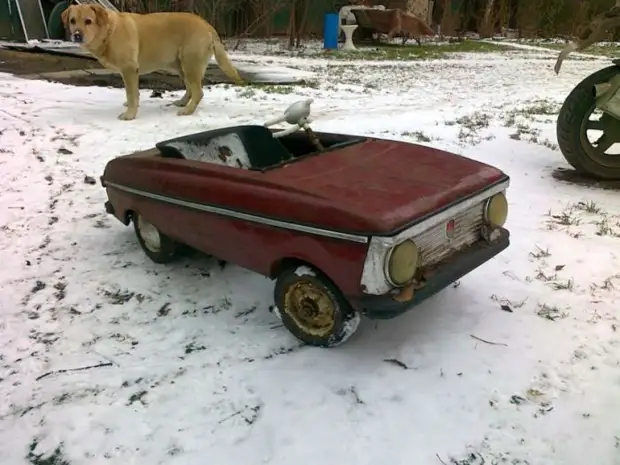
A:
(313, 309)
(156, 245)
(579, 105)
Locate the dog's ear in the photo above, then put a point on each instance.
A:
(101, 14)
(65, 15)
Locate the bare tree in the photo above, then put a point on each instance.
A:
(488, 20)
(263, 12)
(450, 20)
(297, 22)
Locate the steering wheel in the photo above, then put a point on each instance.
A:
(298, 114)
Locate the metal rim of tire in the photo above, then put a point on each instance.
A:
(610, 127)
(311, 308)
(150, 235)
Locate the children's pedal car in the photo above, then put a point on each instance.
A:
(346, 225)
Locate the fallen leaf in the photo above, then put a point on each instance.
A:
(393, 361)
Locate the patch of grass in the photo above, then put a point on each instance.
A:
(428, 51)
(417, 135)
(563, 285)
(540, 253)
(588, 207)
(608, 284)
(55, 458)
(540, 107)
(138, 397)
(547, 143)
(193, 347)
(270, 89)
(250, 89)
(525, 130)
(566, 218)
(611, 51)
(603, 228)
(471, 126)
(542, 276)
(246, 92)
(475, 458)
(118, 297)
(510, 120)
(473, 122)
(551, 313)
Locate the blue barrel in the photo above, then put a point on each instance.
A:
(330, 31)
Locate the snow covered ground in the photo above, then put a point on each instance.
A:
(197, 370)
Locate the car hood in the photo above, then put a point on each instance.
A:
(383, 185)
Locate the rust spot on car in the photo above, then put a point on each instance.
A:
(406, 294)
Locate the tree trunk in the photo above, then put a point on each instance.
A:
(486, 27)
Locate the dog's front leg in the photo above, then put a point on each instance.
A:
(132, 92)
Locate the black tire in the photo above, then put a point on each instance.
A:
(578, 106)
(165, 251)
(340, 320)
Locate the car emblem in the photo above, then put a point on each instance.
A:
(450, 230)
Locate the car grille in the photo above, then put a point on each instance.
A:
(435, 246)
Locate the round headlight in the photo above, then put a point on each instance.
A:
(402, 262)
(496, 211)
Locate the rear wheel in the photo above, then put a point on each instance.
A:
(313, 309)
(587, 141)
(157, 246)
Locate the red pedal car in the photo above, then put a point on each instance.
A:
(346, 225)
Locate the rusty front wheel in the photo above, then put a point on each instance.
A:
(157, 246)
(313, 309)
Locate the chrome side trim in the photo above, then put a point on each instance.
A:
(242, 216)
(374, 280)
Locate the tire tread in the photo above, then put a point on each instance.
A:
(569, 120)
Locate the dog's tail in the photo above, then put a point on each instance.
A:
(426, 29)
(423, 28)
(224, 62)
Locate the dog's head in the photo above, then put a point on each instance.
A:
(85, 22)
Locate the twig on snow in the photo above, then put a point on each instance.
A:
(397, 363)
(232, 415)
(489, 342)
(356, 396)
(107, 358)
(255, 410)
(69, 370)
(14, 116)
(439, 458)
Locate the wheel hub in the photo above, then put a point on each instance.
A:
(310, 307)
(610, 128)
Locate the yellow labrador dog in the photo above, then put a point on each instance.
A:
(134, 44)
